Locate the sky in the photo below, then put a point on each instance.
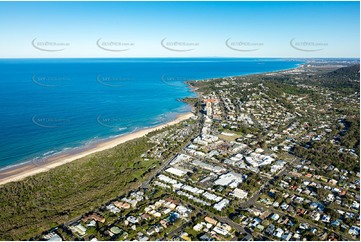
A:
(179, 29)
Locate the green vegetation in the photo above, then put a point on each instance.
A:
(349, 139)
(325, 153)
(345, 80)
(36, 203)
(311, 121)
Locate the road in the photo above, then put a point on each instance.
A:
(252, 201)
(165, 164)
(247, 204)
(299, 218)
(222, 219)
(160, 169)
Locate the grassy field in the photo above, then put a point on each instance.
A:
(229, 138)
(45, 200)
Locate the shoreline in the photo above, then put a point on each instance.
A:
(21, 171)
(24, 170)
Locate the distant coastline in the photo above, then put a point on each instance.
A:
(20, 171)
(121, 102)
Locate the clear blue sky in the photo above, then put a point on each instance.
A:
(267, 28)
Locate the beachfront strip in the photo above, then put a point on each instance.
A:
(252, 170)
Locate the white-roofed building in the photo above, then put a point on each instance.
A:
(52, 237)
(221, 231)
(79, 229)
(193, 190)
(167, 179)
(216, 169)
(239, 193)
(212, 197)
(222, 204)
(231, 179)
(181, 158)
(175, 171)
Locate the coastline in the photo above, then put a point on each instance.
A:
(22, 171)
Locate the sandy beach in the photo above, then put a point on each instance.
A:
(27, 169)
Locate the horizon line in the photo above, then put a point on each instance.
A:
(185, 57)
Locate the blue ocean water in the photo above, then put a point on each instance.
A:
(51, 105)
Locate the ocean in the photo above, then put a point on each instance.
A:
(49, 106)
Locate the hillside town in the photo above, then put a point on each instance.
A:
(265, 157)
